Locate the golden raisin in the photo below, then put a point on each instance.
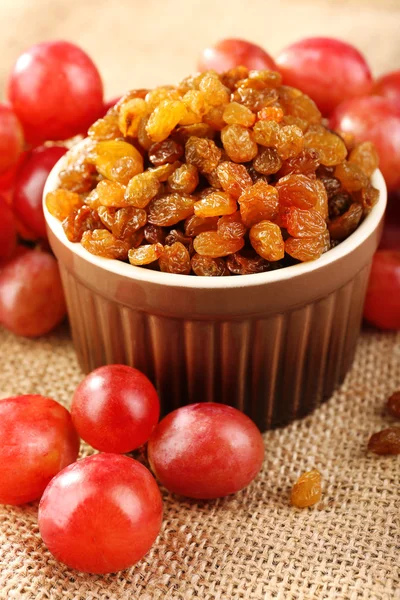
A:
(341, 227)
(385, 442)
(78, 177)
(266, 239)
(270, 113)
(160, 94)
(393, 405)
(259, 203)
(366, 157)
(297, 104)
(330, 147)
(215, 204)
(164, 119)
(130, 114)
(211, 243)
(307, 490)
(266, 133)
(215, 93)
(238, 143)
(306, 162)
(231, 227)
(106, 216)
(267, 161)
(154, 233)
(297, 190)
(170, 209)
(105, 154)
(184, 179)
(167, 151)
(143, 137)
(103, 243)
(214, 117)
(246, 263)
(351, 176)
(80, 220)
(144, 255)
(205, 266)
(307, 248)
(106, 128)
(237, 114)
(111, 193)
(164, 171)
(321, 205)
(127, 221)
(141, 189)
(175, 259)
(202, 153)
(303, 223)
(195, 225)
(290, 141)
(233, 178)
(61, 203)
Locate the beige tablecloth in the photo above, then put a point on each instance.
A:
(252, 546)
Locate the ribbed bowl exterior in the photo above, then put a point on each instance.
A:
(275, 345)
(274, 368)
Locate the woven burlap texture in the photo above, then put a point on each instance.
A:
(252, 546)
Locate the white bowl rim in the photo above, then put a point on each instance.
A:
(129, 271)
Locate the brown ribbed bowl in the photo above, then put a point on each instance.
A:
(275, 345)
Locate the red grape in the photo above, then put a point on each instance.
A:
(226, 54)
(8, 231)
(326, 69)
(11, 138)
(206, 450)
(388, 86)
(115, 409)
(31, 296)
(391, 231)
(37, 441)
(382, 303)
(102, 514)
(378, 120)
(56, 91)
(28, 193)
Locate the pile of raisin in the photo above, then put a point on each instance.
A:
(228, 174)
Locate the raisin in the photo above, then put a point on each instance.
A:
(266, 239)
(213, 179)
(231, 227)
(307, 248)
(306, 162)
(290, 141)
(211, 243)
(215, 205)
(61, 203)
(175, 235)
(297, 104)
(330, 147)
(351, 176)
(195, 225)
(332, 185)
(202, 153)
(103, 243)
(164, 171)
(303, 223)
(385, 442)
(238, 143)
(233, 178)
(321, 205)
(393, 405)
(339, 204)
(366, 157)
(246, 263)
(341, 227)
(164, 119)
(230, 78)
(106, 216)
(254, 99)
(144, 255)
(266, 133)
(143, 137)
(297, 190)
(259, 203)
(111, 193)
(184, 179)
(214, 117)
(261, 79)
(81, 220)
(267, 161)
(205, 266)
(167, 151)
(105, 154)
(237, 114)
(78, 177)
(170, 209)
(368, 196)
(200, 130)
(215, 93)
(160, 94)
(195, 103)
(271, 113)
(175, 259)
(307, 490)
(130, 115)
(127, 221)
(154, 234)
(141, 189)
(106, 128)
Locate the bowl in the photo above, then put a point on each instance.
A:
(274, 345)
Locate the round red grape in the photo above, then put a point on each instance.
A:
(38, 440)
(102, 514)
(11, 138)
(28, 192)
(226, 54)
(388, 86)
(8, 231)
(115, 409)
(56, 91)
(206, 450)
(391, 230)
(326, 69)
(378, 120)
(31, 295)
(382, 303)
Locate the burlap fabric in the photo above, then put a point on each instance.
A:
(252, 546)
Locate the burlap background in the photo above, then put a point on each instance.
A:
(253, 546)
